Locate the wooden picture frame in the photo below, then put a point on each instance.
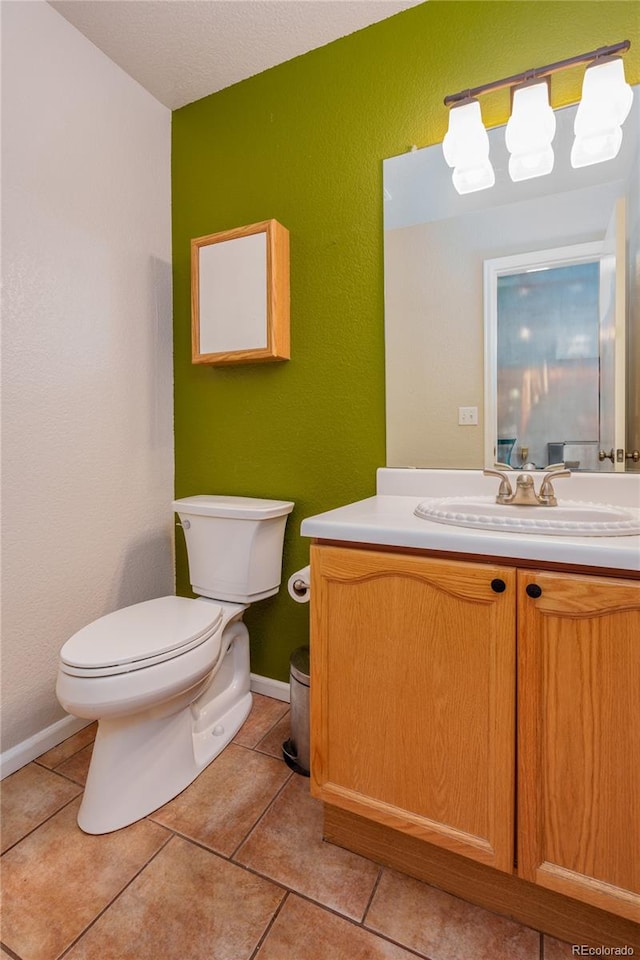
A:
(240, 295)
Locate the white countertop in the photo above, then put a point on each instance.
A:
(387, 519)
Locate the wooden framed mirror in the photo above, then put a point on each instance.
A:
(240, 295)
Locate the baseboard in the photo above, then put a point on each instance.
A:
(23, 753)
(270, 688)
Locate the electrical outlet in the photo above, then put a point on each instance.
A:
(468, 416)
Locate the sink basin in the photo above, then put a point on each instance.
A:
(571, 518)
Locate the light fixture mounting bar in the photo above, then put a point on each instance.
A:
(537, 73)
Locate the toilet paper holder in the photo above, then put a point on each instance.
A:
(299, 585)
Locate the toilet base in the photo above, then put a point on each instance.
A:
(141, 762)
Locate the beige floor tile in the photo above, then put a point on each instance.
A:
(556, 949)
(29, 797)
(68, 747)
(287, 845)
(264, 713)
(304, 931)
(272, 742)
(188, 904)
(443, 927)
(226, 800)
(58, 879)
(77, 766)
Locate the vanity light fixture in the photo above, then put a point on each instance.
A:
(606, 101)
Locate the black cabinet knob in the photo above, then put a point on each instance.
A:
(534, 591)
(498, 586)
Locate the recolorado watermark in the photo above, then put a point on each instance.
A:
(583, 950)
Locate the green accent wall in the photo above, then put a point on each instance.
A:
(303, 143)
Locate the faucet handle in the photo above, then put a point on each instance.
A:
(502, 466)
(505, 490)
(554, 472)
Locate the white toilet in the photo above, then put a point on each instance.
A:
(168, 679)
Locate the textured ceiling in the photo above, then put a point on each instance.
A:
(182, 50)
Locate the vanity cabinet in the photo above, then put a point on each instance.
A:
(417, 664)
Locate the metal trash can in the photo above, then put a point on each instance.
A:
(296, 750)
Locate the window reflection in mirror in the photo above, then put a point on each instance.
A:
(549, 365)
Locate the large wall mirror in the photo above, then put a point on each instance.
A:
(515, 310)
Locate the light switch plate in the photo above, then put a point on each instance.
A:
(468, 416)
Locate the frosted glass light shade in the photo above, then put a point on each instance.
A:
(596, 149)
(466, 139)
(605, 105)
(530, 131)
(528, 165)
(466, 149)
(470, 179)
(606, 98)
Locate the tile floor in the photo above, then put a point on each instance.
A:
(234, 868)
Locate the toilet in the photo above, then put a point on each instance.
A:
(168, 679)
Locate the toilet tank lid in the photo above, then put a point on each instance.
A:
(238, 508)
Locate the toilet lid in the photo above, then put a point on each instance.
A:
(151, 631)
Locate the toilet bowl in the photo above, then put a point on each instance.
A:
(168, 679)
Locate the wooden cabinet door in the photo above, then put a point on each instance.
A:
(412, 696)
(579, 738)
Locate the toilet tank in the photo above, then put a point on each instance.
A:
(234, 545)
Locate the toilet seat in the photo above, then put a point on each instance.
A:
(138, 636)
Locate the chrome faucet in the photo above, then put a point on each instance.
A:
(525, 494)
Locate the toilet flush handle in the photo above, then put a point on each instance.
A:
(185, 524)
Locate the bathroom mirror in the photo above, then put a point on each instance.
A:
(512, 315)
(240, 295)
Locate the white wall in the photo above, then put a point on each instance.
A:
(87, 380)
